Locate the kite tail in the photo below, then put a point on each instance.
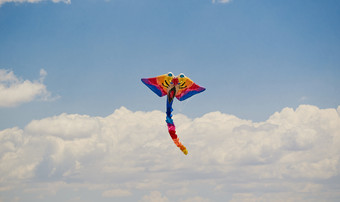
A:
(172, 128)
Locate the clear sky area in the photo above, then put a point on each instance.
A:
(77, 123)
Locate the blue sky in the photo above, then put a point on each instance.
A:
(254, 57)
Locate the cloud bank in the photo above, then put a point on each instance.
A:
(32, 1)
(15, 91)
(293, 156)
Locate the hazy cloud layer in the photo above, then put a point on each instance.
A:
(15, 91)
(32, 1)
(293, 156)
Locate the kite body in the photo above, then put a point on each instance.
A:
(180, 87)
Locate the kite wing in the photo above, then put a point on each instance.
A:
(187, 88)
(159, 84)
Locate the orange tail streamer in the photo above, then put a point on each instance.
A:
(172, 129)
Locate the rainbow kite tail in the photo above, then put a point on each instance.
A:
(172, 129)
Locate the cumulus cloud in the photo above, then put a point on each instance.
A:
(294, 155)
(32, 1)
(15, 91)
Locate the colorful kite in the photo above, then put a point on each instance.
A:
(180, 87)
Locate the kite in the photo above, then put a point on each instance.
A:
(180, 87)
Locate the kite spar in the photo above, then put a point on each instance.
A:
(180, 87)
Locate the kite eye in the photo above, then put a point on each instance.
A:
(181, 75)
(170, 74)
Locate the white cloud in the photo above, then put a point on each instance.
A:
(15, 91)
(116, 193)
(293, 155)
(154, 196)
(32, 1)
(221, 1)
(65, 126)
(196, 199)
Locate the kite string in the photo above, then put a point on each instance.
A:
(172, 128)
